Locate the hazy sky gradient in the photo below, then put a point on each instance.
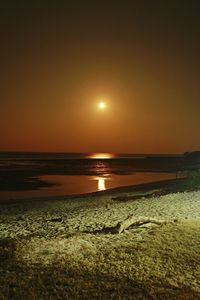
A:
(59, 57)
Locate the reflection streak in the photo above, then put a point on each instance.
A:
(101, 184)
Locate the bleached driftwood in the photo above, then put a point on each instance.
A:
(136, 221)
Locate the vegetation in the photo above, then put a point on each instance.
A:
(163, 265)
(193, 180)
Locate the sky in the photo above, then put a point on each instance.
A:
(60, 58)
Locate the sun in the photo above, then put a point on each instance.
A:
(101, 105)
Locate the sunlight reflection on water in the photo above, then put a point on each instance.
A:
(101, 155)
(101, 183)
(67, 185)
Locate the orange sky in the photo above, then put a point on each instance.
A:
(59, 60)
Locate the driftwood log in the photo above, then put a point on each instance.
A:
(132, 221)
(137, 221)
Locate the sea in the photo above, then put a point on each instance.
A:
(38, 175)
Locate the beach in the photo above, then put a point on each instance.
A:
(60, 248)
(99, 150)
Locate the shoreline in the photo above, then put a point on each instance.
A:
(166, 186)
(63, 250)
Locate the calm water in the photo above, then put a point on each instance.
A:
(41, 175)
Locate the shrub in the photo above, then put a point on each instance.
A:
(193, 180)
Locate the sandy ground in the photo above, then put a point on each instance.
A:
(57, 249)
(64, 217)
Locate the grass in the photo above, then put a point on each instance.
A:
(193, 181)
(165, 264)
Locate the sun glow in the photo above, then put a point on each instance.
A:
(101, 105)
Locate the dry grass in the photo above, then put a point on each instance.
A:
(164, 264)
